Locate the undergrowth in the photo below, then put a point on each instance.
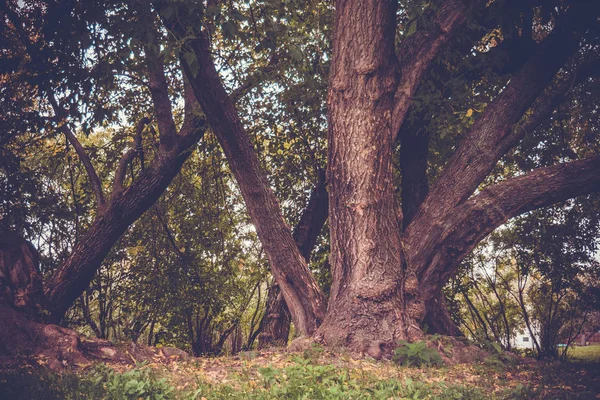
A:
(309, 375)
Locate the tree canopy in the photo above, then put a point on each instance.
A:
(204, 173)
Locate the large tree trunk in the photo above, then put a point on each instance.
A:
(367, 305)
(374, 298)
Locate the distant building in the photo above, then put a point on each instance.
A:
(523, 340)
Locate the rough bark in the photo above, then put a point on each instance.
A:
(539, 112)
(20, 279)
(301, 292)
(374, 300)
(437, 317)
(468, 224)
(366, 305)
(275, 324)
(493, 135)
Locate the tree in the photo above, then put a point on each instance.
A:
(400, 222)
(387, 280)
(126, 203)
(540, 282)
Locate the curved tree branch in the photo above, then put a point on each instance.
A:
(274, 326)
(303, 295)
(416, 52)
(159, 90)
(81, 153)
(493, 135)
(471, 222)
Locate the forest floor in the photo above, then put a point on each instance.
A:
(313, 374)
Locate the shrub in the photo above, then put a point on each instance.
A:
(416, 354)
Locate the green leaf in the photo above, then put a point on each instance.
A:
(229, 29)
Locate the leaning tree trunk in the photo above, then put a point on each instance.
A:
(302, 294)
(275, 325)
(75, 274)
(368, 307)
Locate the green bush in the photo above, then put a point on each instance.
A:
(139, 383)
(416, 354)
(99, 383)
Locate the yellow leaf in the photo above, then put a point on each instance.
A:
(469, 112)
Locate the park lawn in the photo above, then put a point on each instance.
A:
(314, 374)
(584, 353)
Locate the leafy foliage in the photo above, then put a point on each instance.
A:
(416, 354)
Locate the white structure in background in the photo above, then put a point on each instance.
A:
(523, 339)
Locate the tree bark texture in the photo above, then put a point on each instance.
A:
(275, 324)
(366, 303)
(302, 294)
(75, 274)
(20, 278)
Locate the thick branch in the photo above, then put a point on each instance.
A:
(127, 158)
(472, 221)
(493, 135)
(313, 218)
(75, 274)
(414, 150)
(545, 104)
(303, 296)
(416, 52)
(193, 116)
(159, 90)
(275, 325)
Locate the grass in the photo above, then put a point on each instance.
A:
(584, 353)
(314, 374)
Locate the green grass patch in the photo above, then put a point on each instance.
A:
(584, 353)
(309, 375)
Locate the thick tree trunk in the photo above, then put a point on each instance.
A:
(367, 307)
(302, 294)
(374, 297)
(75, 274)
